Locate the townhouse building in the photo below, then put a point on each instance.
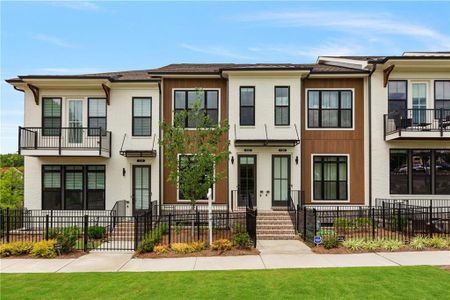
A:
(342, 131)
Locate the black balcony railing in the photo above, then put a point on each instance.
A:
(417, 120)
(65, 138)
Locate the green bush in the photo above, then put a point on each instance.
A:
(153, 238)
(326, 232)
(437, 242)
(340, 223)
(147, 245)
(222, 245)
(354, 244)
(67, 238)
(72, 230)
(96, 232)
(361, 223)
(395, 223)
(53, 233)
(419, 242)
(373, 245)
(44, 249)
(242, 240)
(392, 245)
(15, 248)
(330, 242)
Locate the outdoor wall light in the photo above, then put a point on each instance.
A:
(124, 172)
(232, 160)
(296, 160)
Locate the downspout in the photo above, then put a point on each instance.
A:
(369, 88)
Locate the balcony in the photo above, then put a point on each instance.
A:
(64, 141)
(417, 124)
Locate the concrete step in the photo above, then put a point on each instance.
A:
(276, 237)
(273, 217)
(274, 226)
(273, 213)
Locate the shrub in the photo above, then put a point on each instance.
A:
(330, 242)
(182, 248)
(326, 232)
(340, 223)
(392, 245)
(361, 223)
(178, 228)
(44, 249)
(222, 245)
(160, 249)
(242, 240)
(96, 232)
(52, 233)
(437, 242)
(354, 244)
(15, 248)
(419, 242)
(395, 223)
(147, 245)
(199, 246)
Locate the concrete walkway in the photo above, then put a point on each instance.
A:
(274, 254)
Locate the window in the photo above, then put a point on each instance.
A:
(247, 106)
(282, 105)
(330, 109)
(51, 116)
(95, 187)
(442, 98)
(97, 116)
(442, 172)
(423, 172)
(330, 178)
(399, 172)
(397, 97)
(280, 179)
(51, 187)
(185, 161)
(208, 101)
(64, 187)
(142, 116)
(419, 102)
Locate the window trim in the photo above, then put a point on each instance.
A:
(275, 105)
(434, 93)
(174, 90)
(410, 175)
(89, 117)
(133, 117)
(60, 115)
(198, 200)
(352, 90)
(348, 178)
(63, 182)
(254, 105)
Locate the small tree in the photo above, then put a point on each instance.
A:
(191, 156)
(11, 188)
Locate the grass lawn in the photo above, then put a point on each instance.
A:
(336, 283)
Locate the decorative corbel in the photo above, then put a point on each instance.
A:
(35, 90)
(386, 73)
(107, 90)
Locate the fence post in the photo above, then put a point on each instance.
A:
(315, 221)
(51, 218)
(431, 218)
(85, 233)
(297, 218)
(198, 225)
(136, 229)
(7, 224)
(170, 228)
(304, 223)
(373, 223)
(398, 218)
(46, 226)
(384, 215)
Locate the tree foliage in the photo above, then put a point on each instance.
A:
(11, 188)
(11, 160)
(192, 154)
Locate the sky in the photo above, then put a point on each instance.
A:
(88, 37)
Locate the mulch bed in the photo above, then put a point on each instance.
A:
(344, 250)
(73, 254)
(203, 253)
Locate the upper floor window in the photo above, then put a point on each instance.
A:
(142, 116)
(51, 116)
(282, 98)
(247, 106)
(97, 116)
(442, 98)
(208, 104)
(330, 109)
(397, 96)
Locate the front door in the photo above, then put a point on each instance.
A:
(246, 180)
(141, 189)
(75, 121)
(281, 179)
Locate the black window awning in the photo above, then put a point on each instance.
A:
(266, 143)
(138, 153)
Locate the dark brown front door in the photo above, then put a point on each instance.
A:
(246, 180)
(141, 189)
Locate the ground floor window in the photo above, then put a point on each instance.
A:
(419, 171)
(73, 187)
(330, 180)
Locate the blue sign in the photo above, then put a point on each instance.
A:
(317, 239)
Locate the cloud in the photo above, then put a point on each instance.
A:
(78, 5)
(356, 22)
(216, 51)
(52, 40)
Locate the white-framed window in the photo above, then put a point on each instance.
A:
(330, 177)
(185, 99)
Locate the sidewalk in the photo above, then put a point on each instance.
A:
(274, 255)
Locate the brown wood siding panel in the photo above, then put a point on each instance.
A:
(170, 190)
(335, 141)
